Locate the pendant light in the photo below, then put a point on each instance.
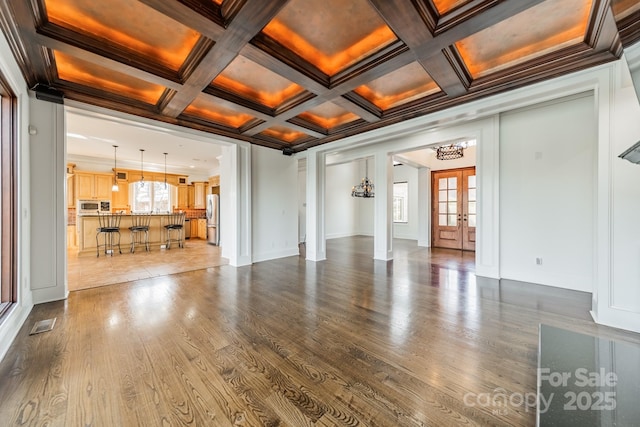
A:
(165, 170)
(364, 188)
(114, 187)
(141, 169)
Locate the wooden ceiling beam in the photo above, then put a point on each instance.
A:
(356, 109)
(262, 58)
(186, 16)
(17, 24)
(246, 24)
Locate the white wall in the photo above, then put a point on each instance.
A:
(409, 230)
(13, 320)
(547, 188)
(365, 208)
(274, 204)
(302, 200)
(341, 213)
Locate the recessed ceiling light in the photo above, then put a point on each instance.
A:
(192, 167)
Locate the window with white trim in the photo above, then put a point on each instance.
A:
(400, 202)
(151, 197)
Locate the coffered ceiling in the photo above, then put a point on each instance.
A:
(299, 73)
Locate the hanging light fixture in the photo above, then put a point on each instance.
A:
(165, 170)
(449, 152)
(141, 169)
(114, 187)
(365, 188)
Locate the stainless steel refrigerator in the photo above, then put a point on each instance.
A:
(213, 219)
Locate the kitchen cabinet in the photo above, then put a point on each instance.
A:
(194, 228)
(190, 196)
(93, 186)
(199, 189)
(202, 228)
(72, 241)
(183, 197)
(71, 191)
(120, 198)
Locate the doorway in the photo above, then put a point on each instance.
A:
(454, 208)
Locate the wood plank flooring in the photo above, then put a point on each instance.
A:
(348, 341)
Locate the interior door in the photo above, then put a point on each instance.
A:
(454, 209)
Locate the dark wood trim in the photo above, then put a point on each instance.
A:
(373, 61)
(188, 17)
(602, 31)
(196, 55)
(629, 29)
(104, 47)
(366, 110)
(363, 103)
(247, 23)
(8, 177)
(246, 105)
(284, 55)
(111, 64)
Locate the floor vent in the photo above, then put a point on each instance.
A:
(43, 326)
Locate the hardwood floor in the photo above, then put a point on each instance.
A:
(348, 341)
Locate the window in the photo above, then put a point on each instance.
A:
(151, 197)
(8, 217)
(400, 201)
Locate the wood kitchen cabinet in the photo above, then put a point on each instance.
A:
(183, 197)
(93, 186)
(72, 241)
(199, 189)
(190, 196)
(71, 191)
(194, 228)
(120, 198)
(202, 228)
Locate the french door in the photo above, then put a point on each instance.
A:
(454, 209)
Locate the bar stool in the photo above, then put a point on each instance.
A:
(175, 224)
(140, 230)
(108, 225)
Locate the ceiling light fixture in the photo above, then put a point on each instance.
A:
(365, 188)
(449, 152)
(114, 187)
(141, 168)
(165, 169)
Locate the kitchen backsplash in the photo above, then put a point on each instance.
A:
(195, 213)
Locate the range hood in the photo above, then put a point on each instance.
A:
(632, 153)
(632, 57)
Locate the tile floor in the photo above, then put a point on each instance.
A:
(88, 271)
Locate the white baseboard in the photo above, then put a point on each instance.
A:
(11, 325)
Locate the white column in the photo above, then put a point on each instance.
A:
(235, 204)
(488, 196)
(424, 207)
(48, 202)
(316, 241)
(383, 216)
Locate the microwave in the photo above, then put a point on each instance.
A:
(92, 207)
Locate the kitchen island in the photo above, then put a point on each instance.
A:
(87, 225)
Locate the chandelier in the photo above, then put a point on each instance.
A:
(449, 152)
(365, 188)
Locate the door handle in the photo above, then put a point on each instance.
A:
(465, 217)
